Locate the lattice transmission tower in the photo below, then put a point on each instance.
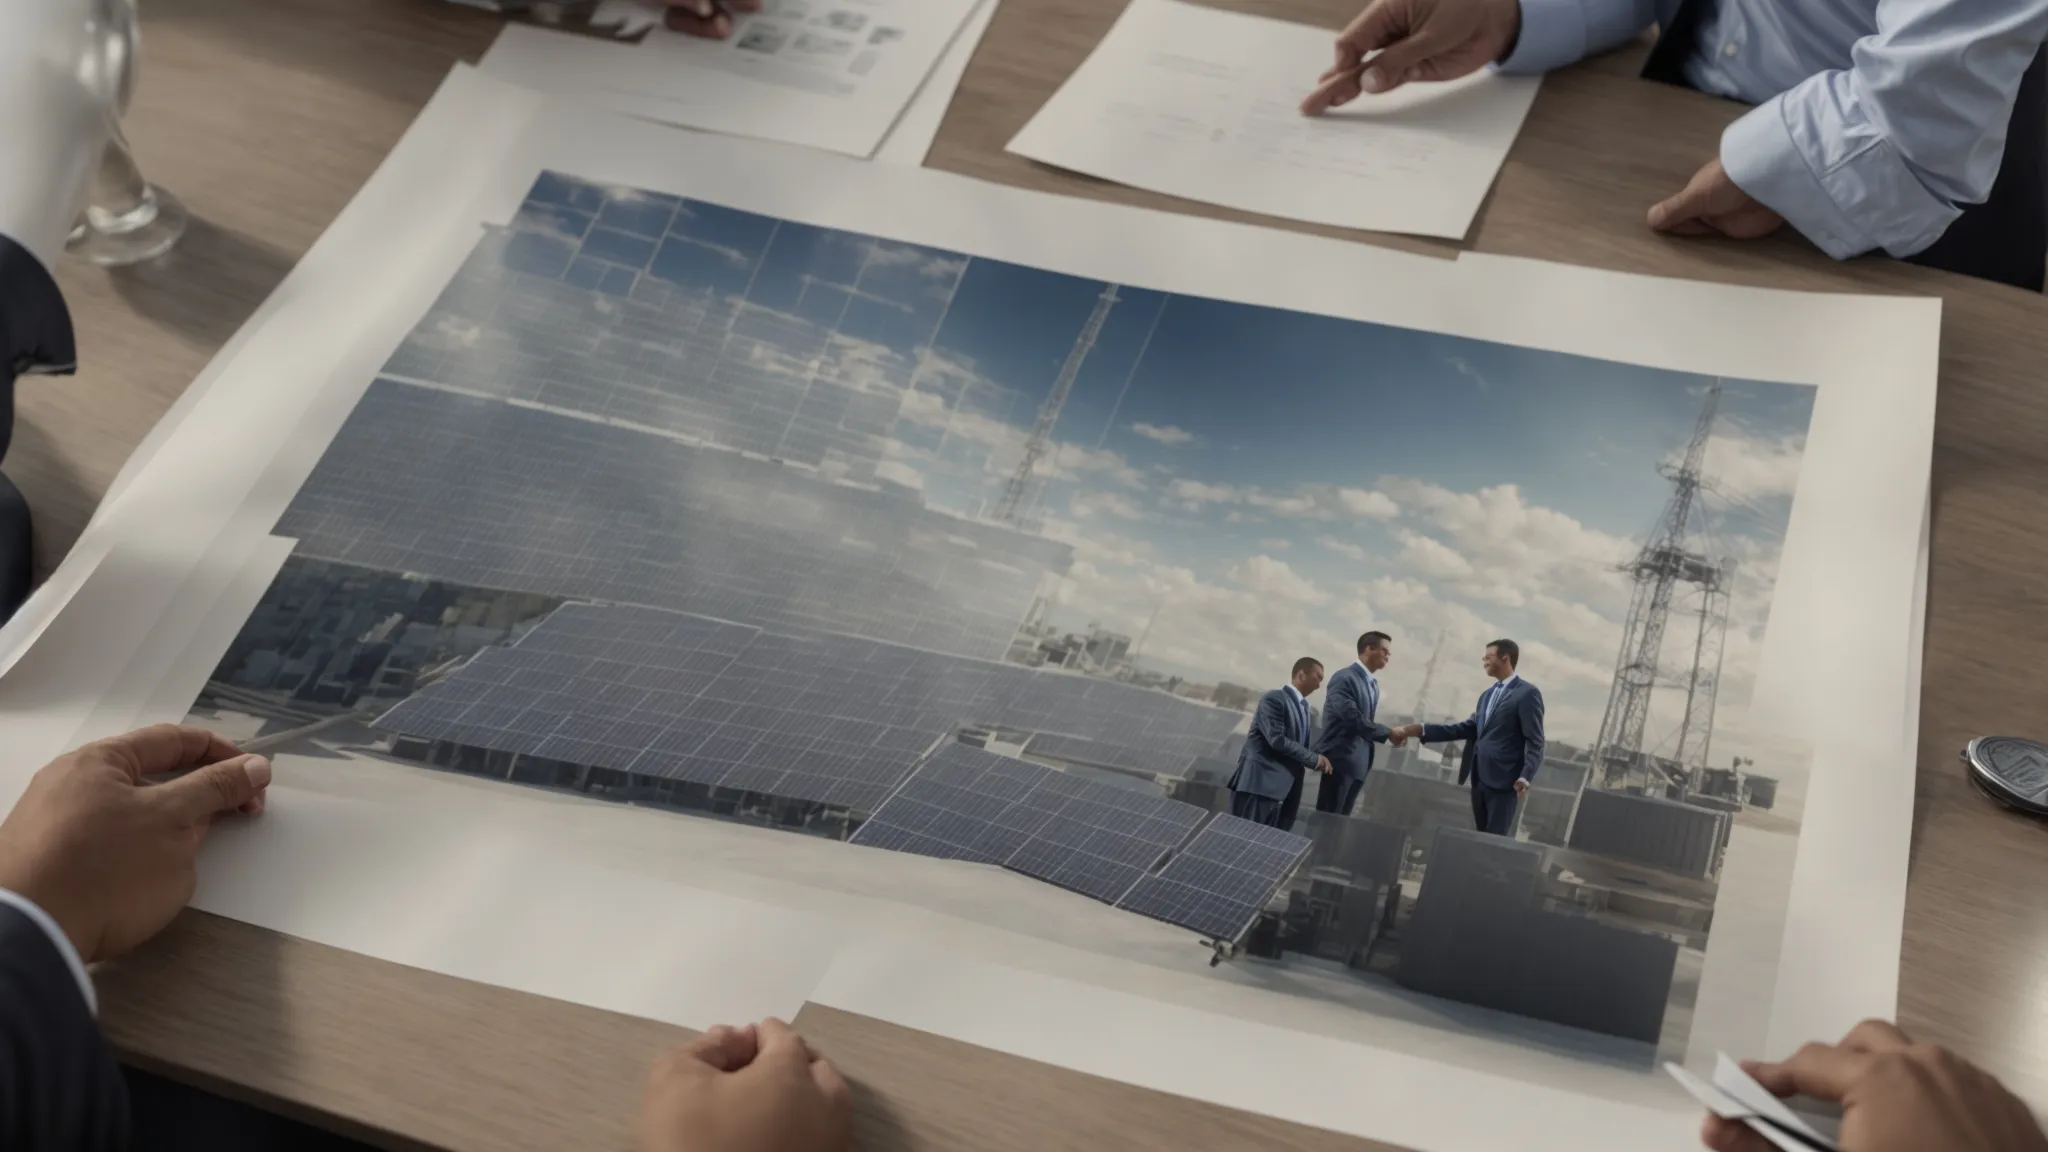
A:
(1428, 679)
(1016, 500)
(1673, 556)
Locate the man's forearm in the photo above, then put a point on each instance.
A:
(1884, 154)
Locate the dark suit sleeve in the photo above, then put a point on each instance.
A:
(1273, 725)
(1445, 733)
(1344, 714)
(1532, 732)
(59, 1086)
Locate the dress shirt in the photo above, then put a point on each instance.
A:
(59, 941)
(1876, 120)
(1493, 696)
(1372, 690)
(1300, 709)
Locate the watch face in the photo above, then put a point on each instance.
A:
(2012, 771)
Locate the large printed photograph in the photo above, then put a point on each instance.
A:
(810, 536)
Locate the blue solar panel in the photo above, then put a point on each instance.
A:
(968, 804)
(1220, 881)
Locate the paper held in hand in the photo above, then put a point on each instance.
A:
(1203, 104)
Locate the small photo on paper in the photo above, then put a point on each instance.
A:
(886, 35)
(848, 548)
(763, 37)
(843, 21)
(815, 45)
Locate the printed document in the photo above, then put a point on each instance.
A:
(1194, 102)
(830, 74)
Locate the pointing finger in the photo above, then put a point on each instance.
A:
(1337, 89)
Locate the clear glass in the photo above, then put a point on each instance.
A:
(127, 220)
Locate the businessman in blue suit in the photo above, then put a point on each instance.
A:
(1503, 740)
(1276, 752)
(1351, 704)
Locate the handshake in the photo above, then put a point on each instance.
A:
(1404, 734)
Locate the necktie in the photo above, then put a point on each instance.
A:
(1492, 698)
(1372, 698)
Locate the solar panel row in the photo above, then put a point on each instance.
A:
(968, 804)
(829, 719)
(1220, 881)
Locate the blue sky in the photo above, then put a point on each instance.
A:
(1272, 482)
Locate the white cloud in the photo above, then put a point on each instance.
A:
(1195, 493)
(930, 265)
(1514, 548)
(897, 472)
(1367, 504)
(1431, 557)
(1342, 548)
(1307, 502)
(1271, 577)
(1075, 459)
(1164, 434)
(1743, 465)
(730, 255)
(1088, 505)
(1464, 368)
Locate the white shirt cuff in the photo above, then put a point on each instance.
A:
(59, 941)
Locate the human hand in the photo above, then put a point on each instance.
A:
(753, 1089)
(1418, 40)
(1409, 731)
(111, 856)
(1323, 765)
(1397, 737)
(711, 19)
(1521, 788)
(1711, 204)
(1896, 1096)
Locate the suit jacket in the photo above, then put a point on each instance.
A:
(1349, 726)
(1508, 748)
(59, 1085)
(1276, 751)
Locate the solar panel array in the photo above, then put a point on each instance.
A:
(1172, 754)
(967, 804)
(494, 495)
(1220, 881)
(826, 718)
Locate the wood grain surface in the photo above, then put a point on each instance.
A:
(265, 116)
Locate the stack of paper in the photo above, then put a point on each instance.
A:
(832, 74)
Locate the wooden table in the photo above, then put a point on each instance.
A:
(266, 115)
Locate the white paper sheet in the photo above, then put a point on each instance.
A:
(830, 74)
(479, 900)
(1385, 1095)
(275, 392)
(1199, 103)
(910, 141)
